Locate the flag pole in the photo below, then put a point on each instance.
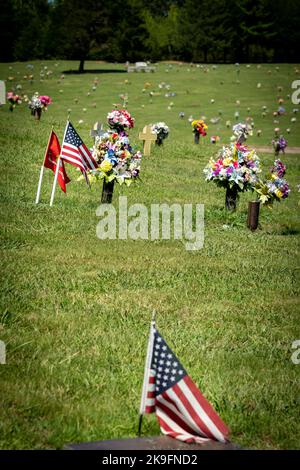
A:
(147, 372)
(57, 168)
(42, 170)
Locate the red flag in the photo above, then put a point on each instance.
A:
(52, 153)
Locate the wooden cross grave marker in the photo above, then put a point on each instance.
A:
(148, 137)
(97, 130)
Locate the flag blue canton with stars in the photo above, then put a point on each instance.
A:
(72, 137)
(168, 370)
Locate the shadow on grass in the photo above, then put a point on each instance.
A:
(284, 230)
(76, 72)
(288, 231)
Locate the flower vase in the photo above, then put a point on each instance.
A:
(118, 129)
(231, 198)
(37, 113)
(107, 192)
(159, 141)
(196, 137)
(253, 215)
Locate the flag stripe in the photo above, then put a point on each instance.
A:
(170, 426)
(175, 417)
(91, 163)
(172, 429)
(200, 415)
(174, 407)
(72, 161)
(72, 153)
(212, 415)
(186, 408)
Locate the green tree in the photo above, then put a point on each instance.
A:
(163, 32)
(32, 19)
(79, 26)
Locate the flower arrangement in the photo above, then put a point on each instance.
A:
(214, 139)
(241, 131)
(119, 120)
(199, 127)
(39, 103)
(116, 159)
(236, 169)
(279, 144)
(161, 130)
(275, 187)
(14, 100)
(236, 165)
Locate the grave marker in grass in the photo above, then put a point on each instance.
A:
(2, 92)
(147, 137)
(97, 130)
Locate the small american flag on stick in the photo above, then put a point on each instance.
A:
(75, 152)
(181, 409)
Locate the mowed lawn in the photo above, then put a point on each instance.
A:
(76, 310)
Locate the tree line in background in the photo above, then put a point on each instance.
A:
(121, 30)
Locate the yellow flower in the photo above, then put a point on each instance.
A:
(273, 176)
(278, 193)
(105, 166)
(227, 161)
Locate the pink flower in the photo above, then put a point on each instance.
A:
(45, 100)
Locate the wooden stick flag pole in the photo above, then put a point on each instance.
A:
(57, 168)
(42, 170)
(147, 372)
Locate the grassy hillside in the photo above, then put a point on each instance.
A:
(75, 310)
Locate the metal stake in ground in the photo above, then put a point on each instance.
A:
(253, 215)
(148, 137)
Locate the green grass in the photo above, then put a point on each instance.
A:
(75, 310)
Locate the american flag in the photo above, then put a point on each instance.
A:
(181, 409)
(75, 152)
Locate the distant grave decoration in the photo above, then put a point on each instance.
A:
(273, 188)
(214, 139)
(13, 100)
(117, 161)
(241, 132)
(279, 144)
(161, 130)
(119, 120)
(199, 128)
(235, 168)
(38, 103)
